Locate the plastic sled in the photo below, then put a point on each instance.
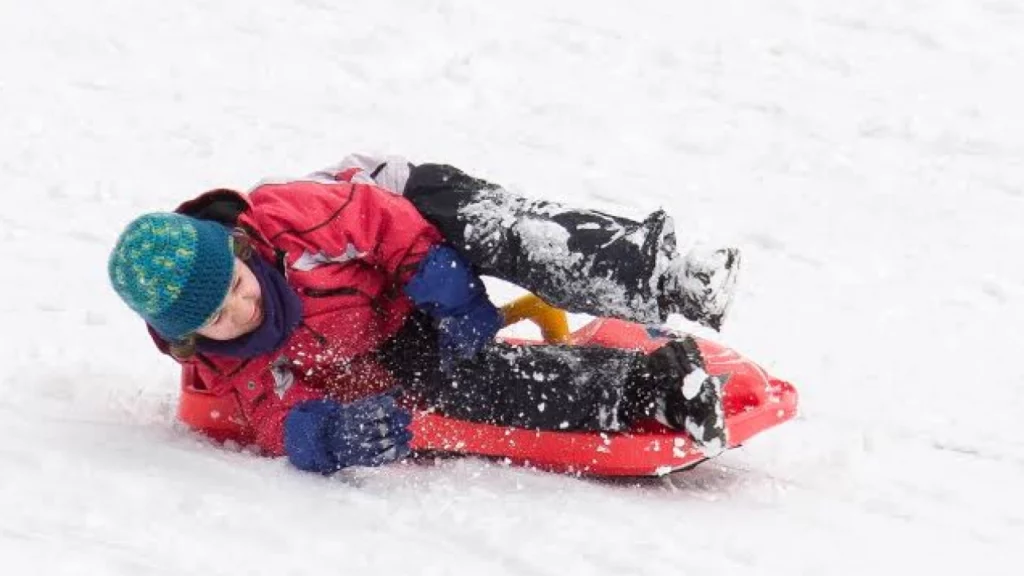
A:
(754, 401)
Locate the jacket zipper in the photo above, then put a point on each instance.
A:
(328, 292)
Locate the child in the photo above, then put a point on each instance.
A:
(312, 300)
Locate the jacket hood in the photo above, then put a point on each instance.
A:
(220, 205)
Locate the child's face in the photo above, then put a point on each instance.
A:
(242, 310)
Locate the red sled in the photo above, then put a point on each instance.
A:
(754, 401)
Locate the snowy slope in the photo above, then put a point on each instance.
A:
(868, 157)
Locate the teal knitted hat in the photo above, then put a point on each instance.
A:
(173, 270)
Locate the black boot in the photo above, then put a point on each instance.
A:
(700, 284)
(672, 387)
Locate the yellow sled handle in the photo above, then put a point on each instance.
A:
(553, 324)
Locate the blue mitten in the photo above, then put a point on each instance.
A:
(447, 288)
(325, 436)
(463, 335)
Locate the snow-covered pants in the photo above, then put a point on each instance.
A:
(540, 386)
(578, 260)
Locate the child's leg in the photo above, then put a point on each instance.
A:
(539, 386)
(551, 387)
(580, 260)
(534, 386)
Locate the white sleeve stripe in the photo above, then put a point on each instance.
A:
(388, 172)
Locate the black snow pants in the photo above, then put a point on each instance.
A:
(578, 260)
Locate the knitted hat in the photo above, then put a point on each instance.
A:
(173, 270)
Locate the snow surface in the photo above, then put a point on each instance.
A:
(867, 157)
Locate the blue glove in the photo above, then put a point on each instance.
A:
(463, 335)
(325, 436)
(447, 288)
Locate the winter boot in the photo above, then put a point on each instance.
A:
(699, 285)
(672, 387)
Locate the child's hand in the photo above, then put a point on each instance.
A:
(463, 335)
(325, 436)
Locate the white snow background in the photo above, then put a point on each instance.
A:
(867, 156)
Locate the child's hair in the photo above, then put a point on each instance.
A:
(183, 349)
(241, 245)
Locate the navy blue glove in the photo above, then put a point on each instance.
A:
(325, 436)
(447, 288)
(463, 335)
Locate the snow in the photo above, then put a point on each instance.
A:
(867, 157)
(692, 383)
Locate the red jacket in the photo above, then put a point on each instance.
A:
(348, 249)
